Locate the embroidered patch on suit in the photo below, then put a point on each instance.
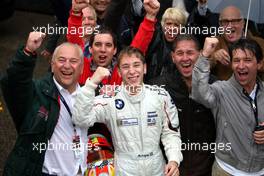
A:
(151, 119)
(127, 122)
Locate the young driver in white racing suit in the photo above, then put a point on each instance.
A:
(139, 116)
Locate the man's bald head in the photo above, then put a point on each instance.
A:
(231, 11)
(232, 20)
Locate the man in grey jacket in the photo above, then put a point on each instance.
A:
(237, 105)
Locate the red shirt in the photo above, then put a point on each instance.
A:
(141, 41)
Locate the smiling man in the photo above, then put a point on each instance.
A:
(103, 42)
(103, 47)
(237, 105)
(196, 121)
(139, 116)
(41, 111)
(232, 20)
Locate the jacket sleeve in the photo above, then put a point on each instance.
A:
(221, 45)
(75, 30)
(89, 109)
(170, 137)
(202, 91)
(144, 35)
(18, 87)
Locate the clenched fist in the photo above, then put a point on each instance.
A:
(209, 46)
(99, 74)
(152, 8)
(78, 5)
(34, 41)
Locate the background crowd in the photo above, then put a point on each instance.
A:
(215, 84)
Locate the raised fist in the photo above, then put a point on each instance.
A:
(209, 46)
(152, 8)
(34, 41)
(78, 5)
(99, 74)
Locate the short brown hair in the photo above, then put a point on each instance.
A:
(129, 51)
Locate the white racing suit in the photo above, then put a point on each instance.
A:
(137, 124)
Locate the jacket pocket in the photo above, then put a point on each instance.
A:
(36, 123)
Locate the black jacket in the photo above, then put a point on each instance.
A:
(158, 57)
(209, 21)
(121, 19)
(34, 108)
(196, 126)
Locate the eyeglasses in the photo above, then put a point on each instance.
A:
(225, 22)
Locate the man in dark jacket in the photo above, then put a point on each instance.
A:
(41, 110)
(196, 122)
(202, 17)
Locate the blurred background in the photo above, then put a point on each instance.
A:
(16, 20)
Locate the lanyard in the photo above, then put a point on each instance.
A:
(253, 104)
(76, 138)
(69, 111)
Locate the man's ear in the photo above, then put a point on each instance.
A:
(51, 65)
(119, 71)
(115, 51)
(243, 21)
(82, 66)
(90, 49)
(172, 56)
(260, 65)
(145, 68)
